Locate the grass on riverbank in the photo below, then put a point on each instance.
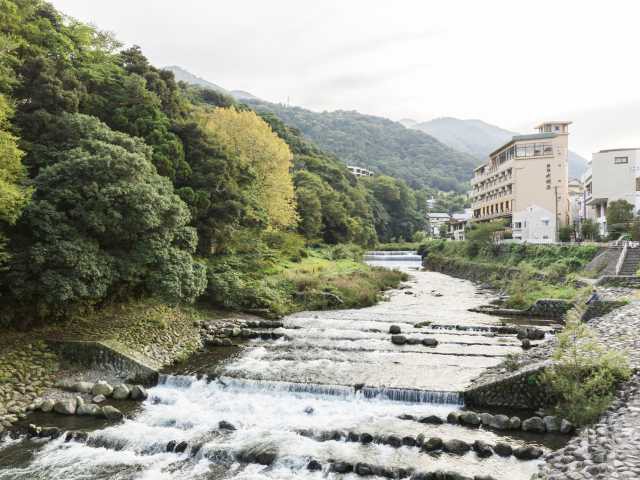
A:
(312, 279)
(524, 272)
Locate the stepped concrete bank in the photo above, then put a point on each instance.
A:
(106, 356)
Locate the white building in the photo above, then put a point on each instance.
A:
(359, 171)
(459, 223)
(612, 175)
(534, 224)
(435, 221)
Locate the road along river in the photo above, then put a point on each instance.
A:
(334, 394)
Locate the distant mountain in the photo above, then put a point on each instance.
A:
(381, 145)
(479, 139)
(242, 95)
(183, 75)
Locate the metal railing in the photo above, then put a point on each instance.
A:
(621, 258)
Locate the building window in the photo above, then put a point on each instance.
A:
(620, 160)
(637, 184)
(545, 222)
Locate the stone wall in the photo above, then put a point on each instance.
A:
(521, 389)
(103, 356)
(619, 281)
(549, 308)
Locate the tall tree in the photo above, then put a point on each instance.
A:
(252, 140)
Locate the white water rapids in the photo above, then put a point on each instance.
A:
(332, 371)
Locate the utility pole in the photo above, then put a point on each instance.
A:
(557, 223)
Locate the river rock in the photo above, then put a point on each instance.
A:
(433, 444)
(406, 416)
(308, 410)
(98, 399)
(102, 388)
(454, 417)
(353, 437)
(394, 441)
(483, 477)
(526, 344)
(33, 431)
(341, 467)
(364, 469)
(534, 424)
(551, 423)
(470, 418)
(120, 392)
(395, 330)
(398, 339)
(50, 432)
(566, 426)
(483, 449)
(171, 445)
(486, 418)
(457, 447)
(431, 420)
(429, 342)
(527, 453)
(500, 422)
(112, 413)
(82, 387)
(181, 447)
(413, 341)
(422, 324)
(138, 392)
(65, 407)
(224, 425)
(515, 423)
(314, 466)
(408, 441)
(88, 409)
(503, 449)
(366, 438)
(47, 405)
(420, 439)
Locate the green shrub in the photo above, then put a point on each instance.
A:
(585, 375)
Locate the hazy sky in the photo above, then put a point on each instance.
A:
(512, 63)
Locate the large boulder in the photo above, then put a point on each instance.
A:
(515, 423)
(500, 422)
(82, 387)
(483, 449)
(341, 467)
(503, 449)
(112, 413)
(394, 441)
(454, 417)
(398, 339)
(314, 466)
(486, 418)
(88, 409)
(534, 424)
(431, 420)
(457, 447)
(551, 423)
(65, 407)
(433, 444)
(120, 392)
(470, 418)
(364, 469)
(102, 388)
(47, 405)
(429, 342)
(527, 453)
(138, 392)
(395, 330)
(366, 438)
(566, 426)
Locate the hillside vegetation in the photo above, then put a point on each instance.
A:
(382, 145)
(118, 183)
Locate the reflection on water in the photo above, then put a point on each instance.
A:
(334, 370)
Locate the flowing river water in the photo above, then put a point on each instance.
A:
(297, 398)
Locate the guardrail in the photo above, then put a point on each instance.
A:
(621, 258)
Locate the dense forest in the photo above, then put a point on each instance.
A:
(382, 145)
(116, 180)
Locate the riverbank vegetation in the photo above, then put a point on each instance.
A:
(524, 272)
(118, 183)
(584, 375)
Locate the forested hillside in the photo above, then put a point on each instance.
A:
(382, 145)
(116, 181)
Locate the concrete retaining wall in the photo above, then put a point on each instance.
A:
(619, 281)
(103, 356)
(518, 390)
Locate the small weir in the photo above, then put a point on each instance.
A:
(326, 396)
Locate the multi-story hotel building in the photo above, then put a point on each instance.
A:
(359, 171)
(525, 182)
(612, 175)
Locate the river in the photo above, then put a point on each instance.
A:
(296, 399)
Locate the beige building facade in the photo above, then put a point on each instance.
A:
(528, 171)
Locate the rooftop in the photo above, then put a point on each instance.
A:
(438, 215)
(618, 150)
(553, 122)
(520, 138)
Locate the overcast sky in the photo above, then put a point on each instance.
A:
(510, 63)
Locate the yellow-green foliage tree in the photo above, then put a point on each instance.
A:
(252, 139)
(13, 194)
